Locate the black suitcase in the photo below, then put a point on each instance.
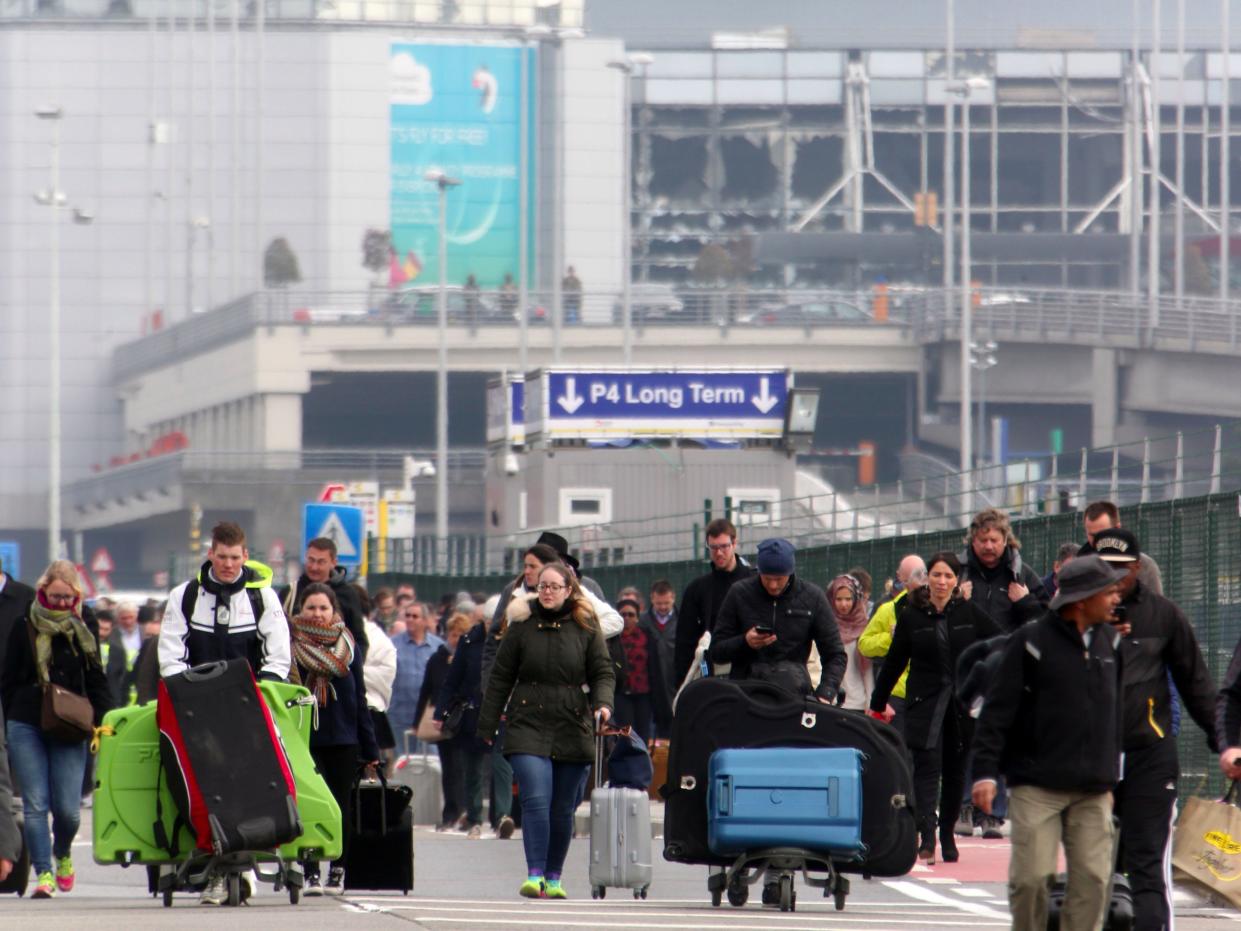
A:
(224, 761)
(1119, 909)
(19, 877)
(381, 848)
(716, 713)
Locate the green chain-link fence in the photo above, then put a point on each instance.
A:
(1196, 541)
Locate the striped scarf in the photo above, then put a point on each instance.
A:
(325, 651)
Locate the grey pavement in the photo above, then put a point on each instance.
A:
(472, 884)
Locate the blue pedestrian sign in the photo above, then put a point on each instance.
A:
(11, 558)
(621, 403)
(343, 525)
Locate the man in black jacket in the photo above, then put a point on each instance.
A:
(320, 565)
(1051, 722)
(767, 623)
(1157, 640)
(701, 600)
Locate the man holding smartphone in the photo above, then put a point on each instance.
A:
(1157, 640)
(767, 623)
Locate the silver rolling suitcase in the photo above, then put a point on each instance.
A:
(620, 836)
(421, 772)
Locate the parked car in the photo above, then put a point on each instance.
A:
(421, 305)
(650, 301)
(808, 313)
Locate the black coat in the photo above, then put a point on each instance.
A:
(464, 681)
(20, 693)
(930, 694)
(433, 679)
(346, 597)
(990, 589)
(800, 616)
(1052, 717)
(660, 653)
(15, 600)
(697, 610)
(345, 720)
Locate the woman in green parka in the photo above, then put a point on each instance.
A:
(552, 670)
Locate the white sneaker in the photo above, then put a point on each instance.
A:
(215, 893)
(312, 886)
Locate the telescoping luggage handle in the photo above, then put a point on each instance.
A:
(383, 801)
(603, 731)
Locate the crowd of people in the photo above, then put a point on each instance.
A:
(1015, 694)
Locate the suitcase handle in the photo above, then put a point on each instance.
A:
(723, 795)
(205, 671)
(383, 800)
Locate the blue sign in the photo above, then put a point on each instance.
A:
(11, 558)
(343, 525)
(693, 403)
(517, 402)
(458, 109)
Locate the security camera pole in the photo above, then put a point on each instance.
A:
(439, 178)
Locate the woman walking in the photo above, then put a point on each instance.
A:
(551, 671)
(57, 644)
(935, 625)
(848, 603)
(463, 686)
(330, 666)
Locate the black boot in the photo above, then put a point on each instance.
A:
(948, 846)
(926, 849)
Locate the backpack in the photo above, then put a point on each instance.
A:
(189, 598)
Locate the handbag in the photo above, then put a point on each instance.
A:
(426, 730)
(1206, 847)
(454, 717)
(66, 715)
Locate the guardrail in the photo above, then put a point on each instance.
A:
(1115, 318)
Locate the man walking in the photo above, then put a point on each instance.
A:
(1051, 723)
(701, 600)
(1157, 641)
(660, 624)
(414, 648)
(1103, 515)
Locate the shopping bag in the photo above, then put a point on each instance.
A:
(1206, 847)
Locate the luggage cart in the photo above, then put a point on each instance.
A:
(783, 863)
(191, 875)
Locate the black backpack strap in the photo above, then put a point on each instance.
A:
(256, 603)
(189, 598)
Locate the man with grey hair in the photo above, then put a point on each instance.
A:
(124, 643)
(876, 639)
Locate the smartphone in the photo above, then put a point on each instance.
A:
(1120, 615)
(764, 630)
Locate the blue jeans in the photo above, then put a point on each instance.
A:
(549, 795)
(50, 775)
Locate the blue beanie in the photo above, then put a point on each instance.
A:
(775, 556)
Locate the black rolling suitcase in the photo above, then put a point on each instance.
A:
(715, 713)
(222, 756)
(381, 848)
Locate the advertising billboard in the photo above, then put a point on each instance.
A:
(458, 108)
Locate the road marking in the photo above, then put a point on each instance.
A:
(923, 894)
(609, 911)
(972, 893)
(590, 903)
(942, 881)
(838, 918)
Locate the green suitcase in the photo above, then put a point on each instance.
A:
(127, 778)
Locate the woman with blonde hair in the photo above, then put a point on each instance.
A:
(57, 646)
(551, 671)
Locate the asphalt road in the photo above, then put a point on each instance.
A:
(470, 884)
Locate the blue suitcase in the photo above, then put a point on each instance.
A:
(809, 798)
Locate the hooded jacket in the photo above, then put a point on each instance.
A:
(799, 615)
(550, 673)
(263, 641)
(346, 597)
(698, 608)
(990, 588)
(1052, 717)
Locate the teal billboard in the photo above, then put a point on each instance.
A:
(458, 108)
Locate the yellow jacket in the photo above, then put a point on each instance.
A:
(876, 639)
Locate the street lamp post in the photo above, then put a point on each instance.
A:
(441, 180)
(982, 360)
(54, 198)
(626, 68)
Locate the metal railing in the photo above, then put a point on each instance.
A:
(1112, 318)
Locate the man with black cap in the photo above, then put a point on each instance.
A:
(1157, 641)
(1052, 723)
(767, 623)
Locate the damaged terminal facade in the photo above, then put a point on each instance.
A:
(796, 144)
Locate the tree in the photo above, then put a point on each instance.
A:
(376, 250)
(280, 268)
(714, 265)
(1197, 274)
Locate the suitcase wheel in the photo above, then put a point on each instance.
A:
(788, 898)
(234, 889)
(738, 894)
(295, 894)
(168, 897)
(717, 897)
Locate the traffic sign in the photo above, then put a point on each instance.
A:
(332, 491)
(11, 558)
(620, 403)
(340, 523)
(101, 563)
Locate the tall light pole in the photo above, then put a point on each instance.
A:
(54, 198)
(626, 68)
(441, 180)
(982, 360)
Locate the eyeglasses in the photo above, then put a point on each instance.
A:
(551, 587)
(719, 547)
(629, 614)
(60, 599)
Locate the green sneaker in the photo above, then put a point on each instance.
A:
(533, 888)
(45, 888)
(555, 890)
(64, 874)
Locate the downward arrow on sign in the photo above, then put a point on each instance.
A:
(570, 400)
(765, 400)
